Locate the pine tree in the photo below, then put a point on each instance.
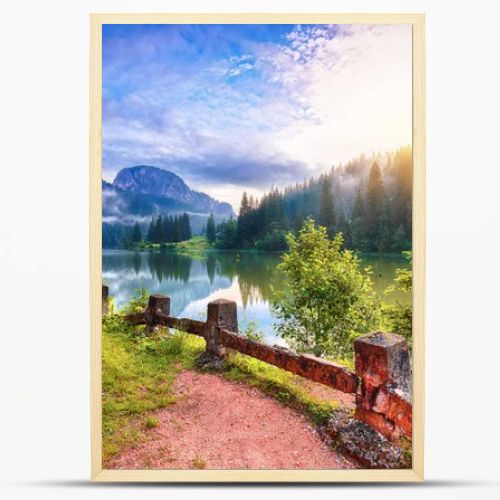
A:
(298, 221)
(399, 241)
(344, 228)
(211, 234)
(358, 223)
(245, 230)
(376, 221)
(359, 205)
(177, 230)
(326, 212)
(136, 233)
(187, 226)
(159, 235)
(171, 229)
(167, 230)
(151, 231)
(402, 205)
(244, 205)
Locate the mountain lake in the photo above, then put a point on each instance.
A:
(192, 281)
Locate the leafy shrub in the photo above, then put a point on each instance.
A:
(399, 317)
(326, 300)
(138, 302)
(252, 332)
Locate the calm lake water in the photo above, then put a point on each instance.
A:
(193, 281)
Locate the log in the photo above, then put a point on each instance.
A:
(184, 324)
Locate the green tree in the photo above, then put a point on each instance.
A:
(376, 219)
(151, 231)
(344, 227)
(298, 221)
(168, 228)
(274, 240)
(227, 234)
(137, 233)
(402, 204)
(246, 231)
(326, 212)
(398, 318)
(358, 223)
(359, 205)
(327, 300)
(186, 224)
(159, 235)
(245, 206)
(399, 241)
(177, 230)
(211, 233)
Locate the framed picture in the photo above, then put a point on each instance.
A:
(257, 247)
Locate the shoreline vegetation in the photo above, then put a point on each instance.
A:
(199, 244)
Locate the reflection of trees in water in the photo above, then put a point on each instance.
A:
(211, 266)
(137, 261)
(256, 274)
(169, 266)
(122, 262)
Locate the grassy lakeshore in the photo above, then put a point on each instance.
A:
(200, 244)
(194, 245)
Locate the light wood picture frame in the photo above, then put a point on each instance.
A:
(417, 21)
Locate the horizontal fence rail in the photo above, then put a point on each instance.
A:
(381, 381)
(310, 367)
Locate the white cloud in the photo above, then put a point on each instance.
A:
(357, 89)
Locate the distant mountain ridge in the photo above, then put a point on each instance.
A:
(158, 182)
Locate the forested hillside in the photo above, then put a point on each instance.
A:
(140, 193)
(369, 200)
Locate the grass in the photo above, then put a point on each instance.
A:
(137, 377)
(280, 384)
(195, 245)
(138, 373)
(151, 422)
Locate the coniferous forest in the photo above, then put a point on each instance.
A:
(169, 229)
(369, 201)
(162, 229)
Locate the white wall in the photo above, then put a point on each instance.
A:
(44, 444)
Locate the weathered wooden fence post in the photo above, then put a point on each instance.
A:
(221, 313)
(158, 304)
(384, 400)
(105, 299)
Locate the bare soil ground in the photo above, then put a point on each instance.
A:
(218, 424)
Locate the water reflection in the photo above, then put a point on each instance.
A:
(193, 281)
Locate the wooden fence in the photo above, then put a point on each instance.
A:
(381, 380)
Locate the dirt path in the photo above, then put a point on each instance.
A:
(217, 424)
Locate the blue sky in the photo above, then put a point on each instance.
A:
(243, 107)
